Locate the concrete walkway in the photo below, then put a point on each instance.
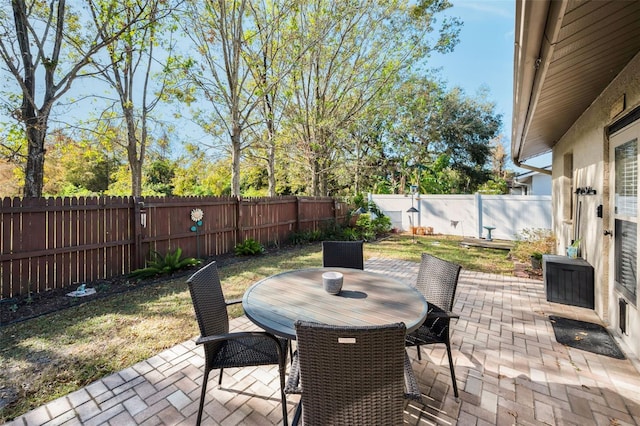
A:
(509, 367)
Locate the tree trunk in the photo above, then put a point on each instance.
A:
(235, 161)
(135, 161)
(315, 178)
(271, 166)
(39, 47)
(356, 171)
(34, 170)
(271, 132)
(35, 121)
(324, 191)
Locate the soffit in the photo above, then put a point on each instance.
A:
(593, 43)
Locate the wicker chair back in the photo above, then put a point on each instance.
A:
(437, 281)
(343, 254)
(351, 375)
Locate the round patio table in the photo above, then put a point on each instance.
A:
(277, 302)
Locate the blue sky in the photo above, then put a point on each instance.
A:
(484, 56)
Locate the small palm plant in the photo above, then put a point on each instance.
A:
(167, 264)
(249, 247)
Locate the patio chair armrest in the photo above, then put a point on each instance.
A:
(412, 390)
(232, 302)
(293, 381)
(239, 335)
(441, 314)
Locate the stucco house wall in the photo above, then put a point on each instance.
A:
(581, 159)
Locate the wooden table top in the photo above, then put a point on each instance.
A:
(276, 302)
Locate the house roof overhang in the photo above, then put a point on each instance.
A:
(566, 53)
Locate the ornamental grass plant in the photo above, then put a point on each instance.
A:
(533, 242)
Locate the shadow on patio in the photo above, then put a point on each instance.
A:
(509, 367)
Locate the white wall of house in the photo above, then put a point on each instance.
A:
(532, 183)
(466, 215)
(540, 184)
(581, 159)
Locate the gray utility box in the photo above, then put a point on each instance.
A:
(568, 281)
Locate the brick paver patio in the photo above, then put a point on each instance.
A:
(509, 367)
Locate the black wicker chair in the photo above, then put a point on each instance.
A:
(343, 254)
(351, 375)
(437, 281)
(226, 350)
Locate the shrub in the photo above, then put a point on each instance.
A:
(382, 225)
(167, 264)
(364, 228)
(304, 237)
(369, 229)
(249, 247)
(531, 241)
(349, 234)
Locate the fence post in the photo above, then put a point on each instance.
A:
(139, 222)
(238, 220)
(297, 213)
(478, 197)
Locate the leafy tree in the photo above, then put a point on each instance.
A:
(128, 69)
(496, 186)
(221, 73)
(440, 140)
(362, 49)
(498, 158)
(159, 176)
(366, 159)
(120, 182)
(255, 181)
(45, 46)
(78, 167)
(13, 154)
(269, 66)
(10, 178)
(197, 175)
(465, 128)
(438, 177)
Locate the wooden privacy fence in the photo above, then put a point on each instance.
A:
(49, 243)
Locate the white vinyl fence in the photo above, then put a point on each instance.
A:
(467, 215)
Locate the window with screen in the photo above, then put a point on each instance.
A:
(626, 210)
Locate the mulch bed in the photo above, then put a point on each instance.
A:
(524, 270)
(25, 307)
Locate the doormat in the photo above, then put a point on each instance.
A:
(585, 336)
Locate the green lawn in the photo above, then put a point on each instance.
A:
(53, 355)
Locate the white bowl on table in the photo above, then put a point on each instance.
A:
(332, 282)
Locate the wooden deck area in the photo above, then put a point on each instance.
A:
(481, 242)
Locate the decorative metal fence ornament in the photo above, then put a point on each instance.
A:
(197, 215)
